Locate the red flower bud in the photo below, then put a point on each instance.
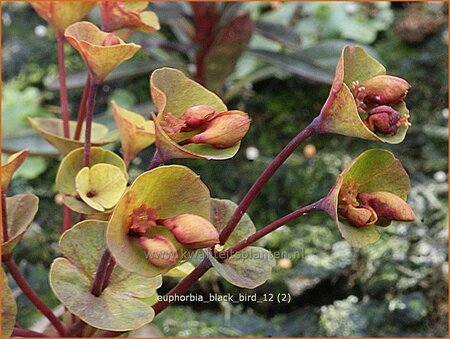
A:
(387, 206)
(198, 115)
(110, 40)
(160, 250)
(383, 119)
(360, 216)
(225, 130)
(383, 90)
(192, 230)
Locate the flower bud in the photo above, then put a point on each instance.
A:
(360, 216)
(192, 230)
(160, 250)
(387, 206)
(383, 119)
(383, 89)
(110, 40)
(225, 130)
(197, 115)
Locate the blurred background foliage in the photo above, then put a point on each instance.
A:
(397, 287)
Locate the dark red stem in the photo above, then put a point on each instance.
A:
(264, 178)
(89, 117)
(221, 256)
(183, 285)
(82, 109)
(102, 271)
(4, 219)
(32, 295)
(67, 218)
(109, 270)
(62, 84)
(20, 332)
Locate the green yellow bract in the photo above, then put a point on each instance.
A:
(169, 191)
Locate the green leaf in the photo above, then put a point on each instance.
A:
(228, 45)
(16, 106)
(20, 211)
(327, 53)
(121, 306)
(31, 140)
(221, 212)
(131, 69)
(101, 186)
(9, 308)
(72, 164)
(248, 268)
(169, 191)
(295, 64)
(51, 129)
(32, 168)
(285, 35)
(375, 170)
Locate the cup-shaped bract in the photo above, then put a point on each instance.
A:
(370, 192)
(11, 166)
(102, 52)
(72, 191)
(364, 102)
(187, 109)
(136, 132)
(51, 129)
(101, 185)
(61, 14)
(156, 195)
(124, 14)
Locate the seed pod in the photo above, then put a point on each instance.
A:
(384, 89)
(160, 250)
(388, 206)
(192, 230)
(360, 216)
(225, 130)
(197, 115)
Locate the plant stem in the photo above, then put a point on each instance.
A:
(97, 284)
(89, 117)
(32, 295)
(263, 178)
(67, 218)
(183, 285)
(190, 279)
(4, 219)
(77, 328)
(109, 270)
(20, 332)
(82, 109)
(62, 84)
(221, 256)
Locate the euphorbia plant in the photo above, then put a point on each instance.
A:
(133, 234)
